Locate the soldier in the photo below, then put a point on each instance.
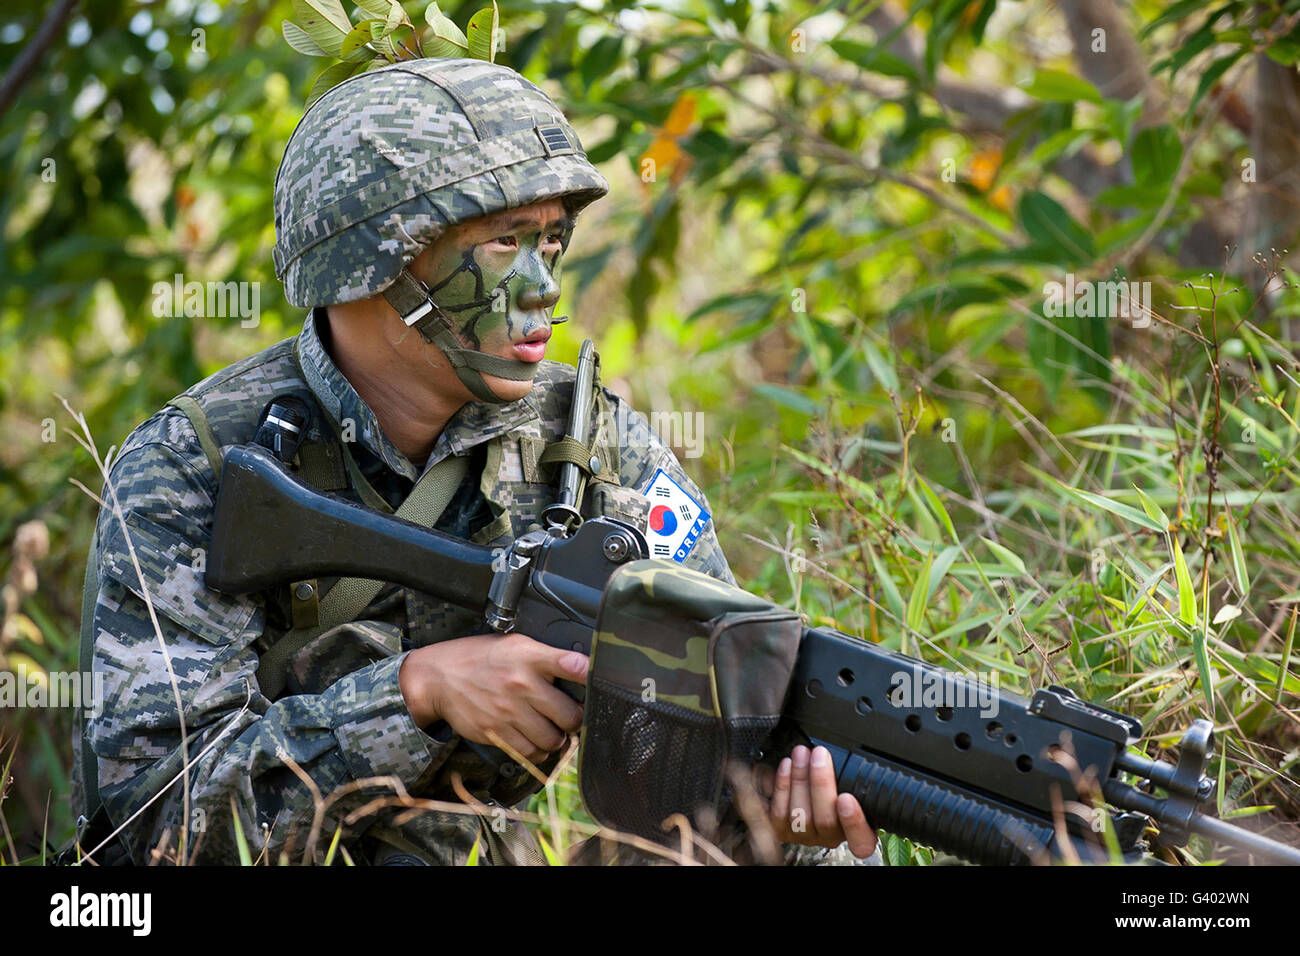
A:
(422, 211)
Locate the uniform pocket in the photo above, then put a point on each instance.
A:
(172, 571)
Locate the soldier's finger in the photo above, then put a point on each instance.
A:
(821, 772)
(545, 736)
(800, 816)
(780, 810)
(566, 665)
(521, 744)
(558, 707)
(862, 839)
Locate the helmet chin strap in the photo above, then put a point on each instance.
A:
(411, 298)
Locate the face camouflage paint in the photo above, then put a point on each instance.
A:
(500, 292)
(492, 291)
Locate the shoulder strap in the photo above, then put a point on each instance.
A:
(350, 596)
(203, 428)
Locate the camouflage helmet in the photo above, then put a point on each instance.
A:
(383, 163)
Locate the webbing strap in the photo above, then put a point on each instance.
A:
(410, 298)
(320, 463)
(350, 596)
(199, 419)
(569, 449)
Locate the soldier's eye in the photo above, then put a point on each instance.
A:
(505, 240)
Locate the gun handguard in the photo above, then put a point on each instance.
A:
(989, 780)
(998, 782)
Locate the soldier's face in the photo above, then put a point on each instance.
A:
(498, 278)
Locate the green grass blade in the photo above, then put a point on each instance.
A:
(1186, 592)
(920, 592)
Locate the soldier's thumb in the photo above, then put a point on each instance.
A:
(572, 665)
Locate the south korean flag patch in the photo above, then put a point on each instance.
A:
(676, 519)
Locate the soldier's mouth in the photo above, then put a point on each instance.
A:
(533, 348)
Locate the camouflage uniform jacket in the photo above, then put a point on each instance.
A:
(342, 717)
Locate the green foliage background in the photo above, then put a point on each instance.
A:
(837, 255)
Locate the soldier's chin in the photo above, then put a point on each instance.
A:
(507, 389)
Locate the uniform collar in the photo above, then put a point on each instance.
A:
(474, 424)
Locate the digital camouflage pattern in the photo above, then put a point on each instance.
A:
(345, 718)
(384, 162)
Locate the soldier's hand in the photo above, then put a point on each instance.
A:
(502, 683)
(805, 807)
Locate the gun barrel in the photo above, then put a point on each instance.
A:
(1223, 832)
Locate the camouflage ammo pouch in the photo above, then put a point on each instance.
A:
(688, 675)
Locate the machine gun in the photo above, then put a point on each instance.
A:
(1002, 783)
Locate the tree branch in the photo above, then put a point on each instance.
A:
(22, 68)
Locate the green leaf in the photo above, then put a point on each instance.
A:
(552, 858)
(1151, 508)
(881, 370)
(1046, 222)
(357, 39)
(300, 39)
(600, 59)
(396, 17)
(893, 598)
(1203, 667)
(1189, 47)
(1156, 153)
(1186, 592)
(1177, 12)
(1058, 87)
(1005, 555)
(876, 58)
(1120, 115)
(1284, 51)
(788, 398)
(1238, 558)
(482, 33)
(1065, 143)
(896, 850)
(940, 568)
(947, 296)
(920, 593)
(854, 485)
(1126, 512)
(1245, 812)
(1212, 74)
(324, 21)
(377, 8)
(241, 844)
(448, 40)
(332, 77)
(937, 507)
